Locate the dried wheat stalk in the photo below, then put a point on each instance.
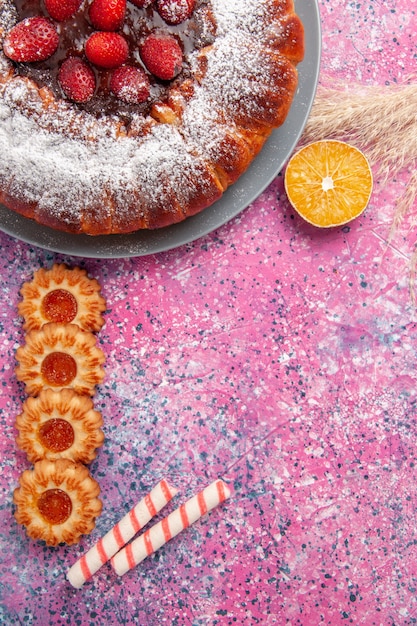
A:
(382, 122)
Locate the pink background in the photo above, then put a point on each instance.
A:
(276, 356)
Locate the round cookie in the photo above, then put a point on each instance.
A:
(57, 501)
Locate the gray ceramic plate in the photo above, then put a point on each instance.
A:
(259, 175)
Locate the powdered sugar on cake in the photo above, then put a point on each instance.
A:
(66, 162)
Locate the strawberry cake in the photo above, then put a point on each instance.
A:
(124, 115)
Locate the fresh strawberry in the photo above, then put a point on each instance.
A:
(175, 11)
(107, 14)
(32, 39)
(61, 10)
(77, 79)
(106, 50)
(162, 55)
(130, 84)
(142, 3)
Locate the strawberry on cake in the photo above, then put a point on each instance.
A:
(119, 115)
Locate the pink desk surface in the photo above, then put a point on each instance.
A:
(278, 357)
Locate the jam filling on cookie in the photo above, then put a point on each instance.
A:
(60, 306)
(55, 506)
(58, 369)
(108, 56)
(56, 435)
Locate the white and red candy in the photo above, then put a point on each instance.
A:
(120, 534)
(180, 519)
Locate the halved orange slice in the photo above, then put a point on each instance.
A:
(328, 182)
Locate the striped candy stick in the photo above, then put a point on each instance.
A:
(156, 536)
(120, 534)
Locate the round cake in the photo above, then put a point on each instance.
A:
(120, 116)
